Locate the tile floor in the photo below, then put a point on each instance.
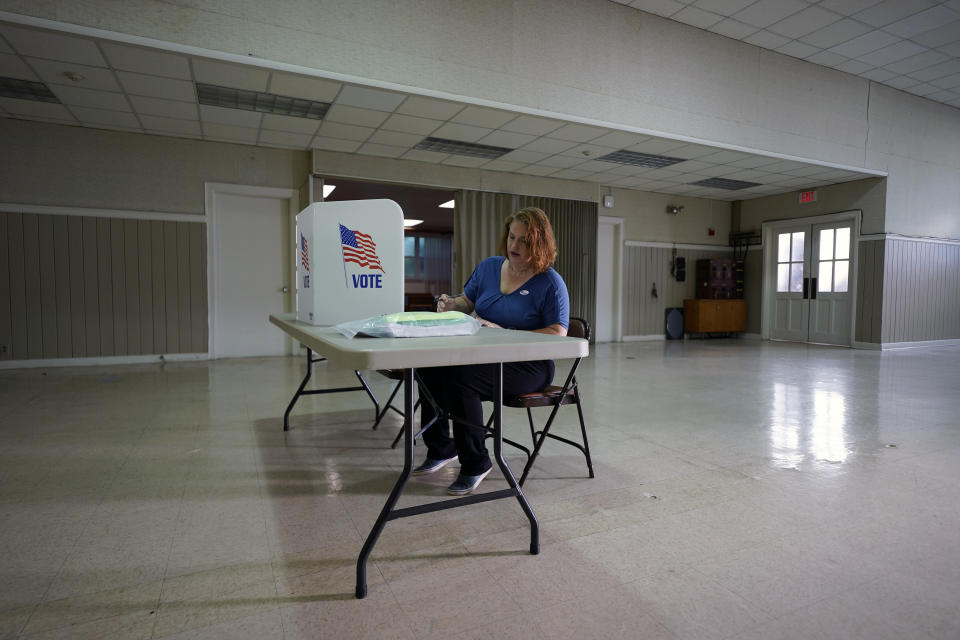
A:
(744, 490)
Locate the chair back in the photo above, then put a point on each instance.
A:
(579, 328)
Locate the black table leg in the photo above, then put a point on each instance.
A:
(385, 513)
(296, 396)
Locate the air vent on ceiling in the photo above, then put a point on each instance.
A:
(639, 159)
(26, 90)
(724, 183)
(231, 98)
(441, 145)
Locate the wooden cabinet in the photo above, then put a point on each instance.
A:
(714, 316)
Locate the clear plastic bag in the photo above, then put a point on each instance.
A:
(412, 324)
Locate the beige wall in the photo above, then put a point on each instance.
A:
(74, 166)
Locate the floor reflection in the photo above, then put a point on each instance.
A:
(807, 424)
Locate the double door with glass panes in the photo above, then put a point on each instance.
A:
(811, 288)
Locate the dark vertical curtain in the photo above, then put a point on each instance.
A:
(479, 218)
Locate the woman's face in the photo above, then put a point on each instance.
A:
(517, 250)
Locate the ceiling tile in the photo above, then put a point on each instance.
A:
(656, 146)
(588, 151)
(285, 139)
(891, 11)
(733, 29)
(951, 49)
(923, 21)
(690, 166)
(425, 156)
(53, 46)
(13, 67)
(797, 49)
(919, 61)
(878, 75)
(804, 22)
(763, 14)
(940, 36)
(947, 82)
(5, 48)
(923, 89)
(104, 117)
(561, 162)
(149, 61)
(396, 139)
(34, 108)
(502, 165)
(619, 139)
(229, 133)
(462, 132)
(724, 156)
(368, 98)
(355, 115)
(696, 17)
(596, 166)
(224, 74)
(893, 53)
(571, 174)
(335, 144)
(549, 145)
(783, 166)
(344, 131)
(532, 125)
(902, 82)
(165, 108)
(524, 156)
(51, 72)
(537, 170)
(289, 124)
(766, 40)
(75, 96)
(465, 161)
(864, 44)
(482, 117)
(578, 132)
(937, 71)
(235, 117)
(429, 108)
(294, 86)
(826, 58)
(723, 7)
(836, 33)
(156, 87)
(171, 125)
(410, 124)
(691, 151)
(507, 139)
(853, 66)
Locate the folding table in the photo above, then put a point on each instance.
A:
(488, 346)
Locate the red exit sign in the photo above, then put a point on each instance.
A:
(808, 196)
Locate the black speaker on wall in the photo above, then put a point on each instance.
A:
(673, 321)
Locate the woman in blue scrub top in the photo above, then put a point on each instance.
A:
(516, 290)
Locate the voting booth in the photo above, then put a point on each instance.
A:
(349, 261)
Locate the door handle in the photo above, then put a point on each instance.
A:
(813, 288)
(284, 289)
(806, 287)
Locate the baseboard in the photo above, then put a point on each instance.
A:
(887, 346)
(647, 338)
(87, 362)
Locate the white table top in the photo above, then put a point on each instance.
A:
(487, 345)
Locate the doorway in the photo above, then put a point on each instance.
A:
(609, 230)
(250, 239)
(810, 278)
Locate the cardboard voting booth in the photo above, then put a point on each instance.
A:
(349, 261)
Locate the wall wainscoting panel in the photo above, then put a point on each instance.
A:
(648, 265)
(921, 290)
(88, 286)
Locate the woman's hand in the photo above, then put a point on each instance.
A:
(455, 303)
(487, 323)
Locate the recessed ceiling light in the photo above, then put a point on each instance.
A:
(447, 205)
(328, 189)
(639, 159)
(460, 148)
(410, 222)
(725, 183)
(26, 90)
(214, 96)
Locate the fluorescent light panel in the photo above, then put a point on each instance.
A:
(410, 222)
(215, 96)
(26, 90)
(639, 159)
(328, 189)
(446, 205)
(725, 183)
(460, 148)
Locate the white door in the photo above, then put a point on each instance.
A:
(251, 249)
(810, 287)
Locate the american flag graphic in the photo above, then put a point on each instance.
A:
(359, 248)
(304, 254)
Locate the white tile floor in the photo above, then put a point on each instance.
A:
(744, 490)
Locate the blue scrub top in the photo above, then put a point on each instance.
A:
(540, 302)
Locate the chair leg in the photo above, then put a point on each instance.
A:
(388, 406)
(583, 431)
(540, 436)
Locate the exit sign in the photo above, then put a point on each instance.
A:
(808, 196)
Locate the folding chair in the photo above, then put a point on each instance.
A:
(554, 396)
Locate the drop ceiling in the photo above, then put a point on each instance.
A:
(105, 84)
